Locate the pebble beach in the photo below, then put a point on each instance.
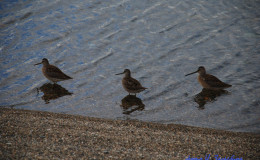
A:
(26, 134)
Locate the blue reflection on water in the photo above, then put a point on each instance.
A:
(159, 41)
(6, 4)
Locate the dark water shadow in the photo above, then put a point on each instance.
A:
(131, 103)
(53, 91)
(207, 95)
(13, 21)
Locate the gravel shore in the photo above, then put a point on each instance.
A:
(42, 135)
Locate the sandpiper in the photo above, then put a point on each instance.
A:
(130, 84)
(209, 81)
(52, 73)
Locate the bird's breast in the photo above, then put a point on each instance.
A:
(203, 82)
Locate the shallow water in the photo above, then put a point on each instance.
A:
(159, 41)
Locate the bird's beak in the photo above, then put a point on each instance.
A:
(38, 63)
(191, 73)
(120, 73)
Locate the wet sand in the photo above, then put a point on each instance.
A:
(43, 135)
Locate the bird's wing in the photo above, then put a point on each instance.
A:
(132, 83)
(54, 71)
(214, 81)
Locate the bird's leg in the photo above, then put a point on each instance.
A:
(54, 84)
(37, 91)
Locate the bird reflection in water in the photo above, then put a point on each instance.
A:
(131, 103)
(207, 95)
(52, 91)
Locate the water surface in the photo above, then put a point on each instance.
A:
(158, 40)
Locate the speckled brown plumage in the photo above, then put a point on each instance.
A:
(209, 81)
(52, 72)
(130, 84)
